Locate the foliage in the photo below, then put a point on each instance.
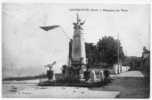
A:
(139, 63)
(105, 52)
(109, 49)
(145, 63)
(132, 61)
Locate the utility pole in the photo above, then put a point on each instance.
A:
(118, 53)
(118, 47)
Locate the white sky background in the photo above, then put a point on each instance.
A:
(26, 47)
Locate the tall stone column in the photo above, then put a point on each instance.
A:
(78, 57)
(78, 44)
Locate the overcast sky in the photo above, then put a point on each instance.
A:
(26, 47)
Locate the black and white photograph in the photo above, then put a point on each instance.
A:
(75, 50)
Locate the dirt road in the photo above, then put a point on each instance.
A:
(131, 84)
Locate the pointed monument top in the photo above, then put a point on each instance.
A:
(78, 19)
(78, 23)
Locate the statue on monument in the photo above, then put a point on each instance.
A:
(78, 24)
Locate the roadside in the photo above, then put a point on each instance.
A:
(129, 85)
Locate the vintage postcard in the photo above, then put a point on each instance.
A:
(75, 50)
